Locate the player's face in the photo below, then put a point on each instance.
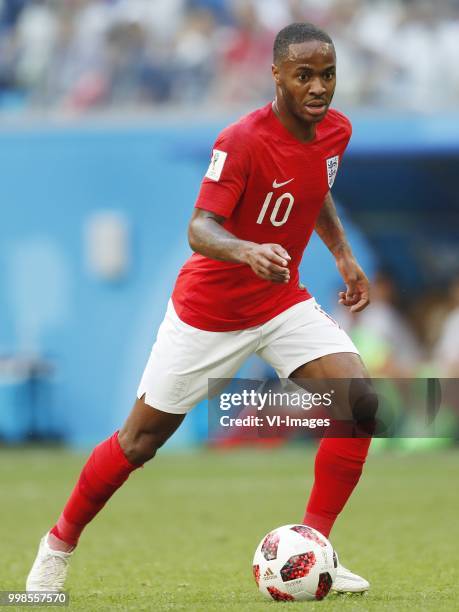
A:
(306, 80)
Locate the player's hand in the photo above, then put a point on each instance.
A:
(357, 294)
(269, 261)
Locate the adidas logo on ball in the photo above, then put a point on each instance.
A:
(269, 574)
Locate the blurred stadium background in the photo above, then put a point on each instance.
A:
(108, 111)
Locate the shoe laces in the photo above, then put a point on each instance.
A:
(54, 570)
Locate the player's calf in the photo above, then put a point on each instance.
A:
(110, 464)
(145, 431)
(105, 471)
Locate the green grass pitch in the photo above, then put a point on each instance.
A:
(181, 533)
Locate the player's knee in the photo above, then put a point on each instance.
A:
(142, 447)
(365, 407)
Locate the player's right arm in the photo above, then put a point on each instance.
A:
(208, 237)
(220, 193)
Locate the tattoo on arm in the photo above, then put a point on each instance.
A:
(330, 229)
(207, 237)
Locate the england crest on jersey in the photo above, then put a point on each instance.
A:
(332, 169)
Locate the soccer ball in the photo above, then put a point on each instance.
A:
(294, 563)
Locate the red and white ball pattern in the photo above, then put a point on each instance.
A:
(294, 563)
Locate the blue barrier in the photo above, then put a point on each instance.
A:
(98, 334)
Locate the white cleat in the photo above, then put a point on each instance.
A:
(347, 582)
(49, 569)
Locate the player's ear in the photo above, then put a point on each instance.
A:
(275, 72)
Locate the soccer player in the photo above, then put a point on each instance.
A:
(266, 190)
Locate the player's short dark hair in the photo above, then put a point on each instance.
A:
(297, 33)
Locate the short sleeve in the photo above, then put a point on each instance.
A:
(226, 177)
(347, 134)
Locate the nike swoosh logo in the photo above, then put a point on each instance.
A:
(276, 184)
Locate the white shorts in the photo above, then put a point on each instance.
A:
(183, 358)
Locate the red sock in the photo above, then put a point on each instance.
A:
(104, 472)
(338, 466)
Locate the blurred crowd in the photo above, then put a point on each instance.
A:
(404, 341)
(85, 55)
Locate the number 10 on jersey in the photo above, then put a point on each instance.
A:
(276, 208)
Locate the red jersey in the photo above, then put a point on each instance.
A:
(270, 187)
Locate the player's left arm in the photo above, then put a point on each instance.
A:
(330, 230)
